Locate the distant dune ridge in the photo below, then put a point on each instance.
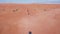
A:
(29, 18)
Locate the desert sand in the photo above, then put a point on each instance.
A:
(25, 18)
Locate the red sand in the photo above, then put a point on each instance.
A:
(22, 18)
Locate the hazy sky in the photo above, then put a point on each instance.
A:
(30, 1)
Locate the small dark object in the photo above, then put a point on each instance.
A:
(28, 12)
(30, 32)
(45, 10)
(15, 10)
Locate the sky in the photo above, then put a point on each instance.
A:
(31, 1)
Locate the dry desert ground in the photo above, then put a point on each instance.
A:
(33, 18)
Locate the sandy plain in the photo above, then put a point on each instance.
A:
(25, 18)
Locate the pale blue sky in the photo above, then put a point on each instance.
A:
(30, 1)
